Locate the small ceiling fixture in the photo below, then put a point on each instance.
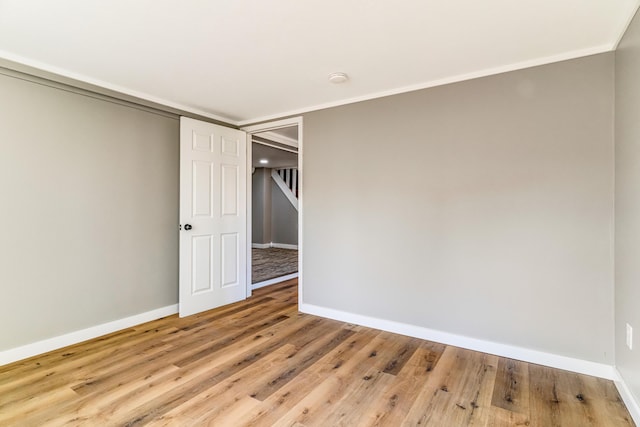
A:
(264, 161)
(338, 78)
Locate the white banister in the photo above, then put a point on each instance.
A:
(285, 189)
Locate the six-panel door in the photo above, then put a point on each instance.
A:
(213, 202)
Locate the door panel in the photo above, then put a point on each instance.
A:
(229, 190)
(201, 264)
(230, 147)
(202, 194)
(230, 262)
(213, 204)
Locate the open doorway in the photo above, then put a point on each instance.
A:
(275, 182)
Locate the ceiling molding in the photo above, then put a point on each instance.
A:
(36, 68)
(440, 82)
(257, 140)
(256, 127)
(275, 137)
(39, 69)
(14, 73)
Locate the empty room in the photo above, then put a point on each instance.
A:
(461, 182)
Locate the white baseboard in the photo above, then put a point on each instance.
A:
(260, 245)
(39, 347)
(633, 405)
(513, 352)
(274, 281)
(284, 246)
(273, 245)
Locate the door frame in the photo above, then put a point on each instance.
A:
(264, 127)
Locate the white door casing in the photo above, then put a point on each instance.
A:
(263, 127)
(213, 216)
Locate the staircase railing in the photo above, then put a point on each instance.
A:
(287, 180)
(290, 178)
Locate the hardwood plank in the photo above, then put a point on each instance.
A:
(511, 391)
(109, 377)
(459, 391)
(483, 393)
(278, 404)
(30, 370)
(354, 405)
(298, 362)
(572, 397)
(403, 354)
(10, 416)
(211, 403)
(327, 398)
(217, 328)
(177, 395)
(260, 376)
(226, 312)
(227, 341)
(544, 397)
(499, 417)
(79, 368)
(321, 398)
(230, 415)
(172, 389)
(392, 407)
(606, 401)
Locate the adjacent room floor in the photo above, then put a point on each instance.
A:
(270, 263)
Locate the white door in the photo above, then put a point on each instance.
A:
(213, 216)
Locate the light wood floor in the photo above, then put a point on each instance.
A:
(261, 363)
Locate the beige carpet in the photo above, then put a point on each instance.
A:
(272, 262)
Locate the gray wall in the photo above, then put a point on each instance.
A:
(627, 128)
(89, 211)
(482, 208)
(261, 206)
(284, 217)
(273, 217)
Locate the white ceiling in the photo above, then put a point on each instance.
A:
(248, 60)
(276, 158)
(290, 132)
